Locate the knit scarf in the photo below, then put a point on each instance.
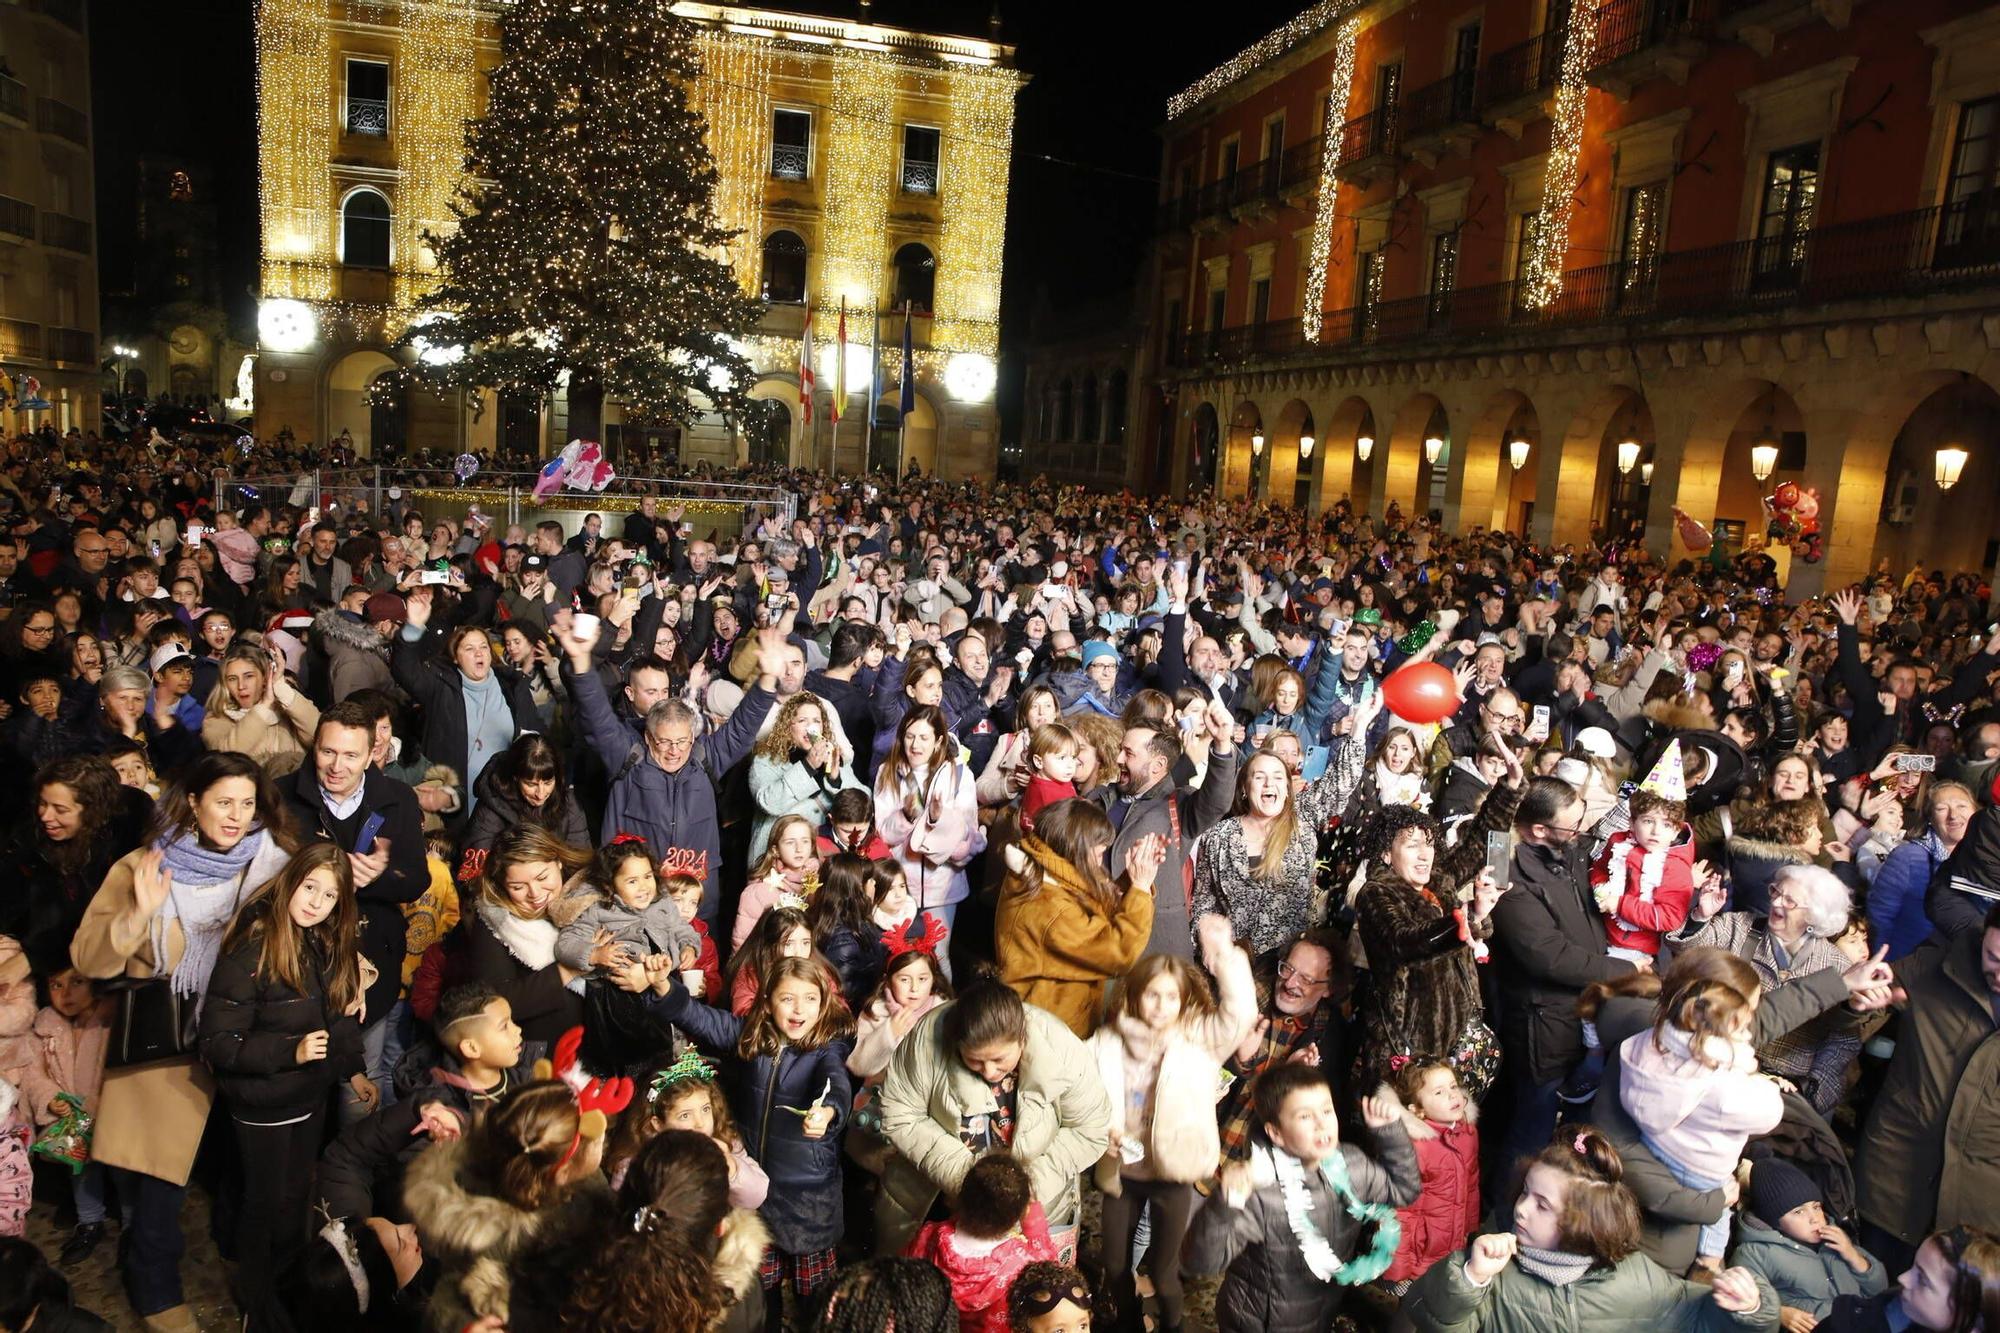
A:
(1400, 788)
(489, 725)
(1558, 1268)
(1314, 1248)
(203, 894)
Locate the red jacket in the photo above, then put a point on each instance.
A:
(709, 963)
(1653, 899)
(1447, 1212)
(979, 1282)
(872, 850)
(1042, 792)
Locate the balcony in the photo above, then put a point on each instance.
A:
(1255, 191)
(13, 99)
(17, 218)
(1520, 83)
(62, 120)
(790, 161)
(1757, 24)
(1638, 41)
(920, 177)
(20, 340)
(1898, 256)
(1368, 146)
(1440, 119)
(65, 233)
(76, 347)
(368, 116)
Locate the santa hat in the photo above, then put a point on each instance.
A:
(1667, 780)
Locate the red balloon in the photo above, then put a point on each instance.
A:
(1422, 692)
(1787, 494)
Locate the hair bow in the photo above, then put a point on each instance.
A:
(928, 939)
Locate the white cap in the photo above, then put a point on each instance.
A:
(1573, 771)
(1596, 742)
(1059, 570)
(166, 655)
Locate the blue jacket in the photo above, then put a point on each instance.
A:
(803, 1208)
(1896, 898)
(673, 812)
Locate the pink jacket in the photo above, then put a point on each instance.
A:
(238, 552)
(1695, 1114)
(70, 1058)
(933, 848)
(19, 1051)
(980, 1275)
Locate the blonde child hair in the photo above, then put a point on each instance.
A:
(1197, 996)
(1053, 738)
(769, 861)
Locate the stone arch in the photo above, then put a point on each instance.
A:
(1237, 475)
(784, 390)
(918, 433)
(348, 377)
(1582, 474)
(1951, 529)
(1407, 472)
(1201, 465)
(1490, 489)
(1340, 470)
(1283, 469)
(1714, 462)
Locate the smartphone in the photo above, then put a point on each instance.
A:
(1916, 763)
(1499, 856)
(196, 531)
(364, 842)
(156, 549)
(312, 516)
(433, 578)
(1538, 725)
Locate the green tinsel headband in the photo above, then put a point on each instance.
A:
(690, 1068)
(1422, 634)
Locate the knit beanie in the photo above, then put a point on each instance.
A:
(1777, 1187)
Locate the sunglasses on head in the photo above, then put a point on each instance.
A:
(1041, 1299)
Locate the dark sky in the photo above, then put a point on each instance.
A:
(179, 78)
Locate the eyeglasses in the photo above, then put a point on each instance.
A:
(1570, 829)
(49, 628)
(1290, 973)
(1515, 718)
(670, 744)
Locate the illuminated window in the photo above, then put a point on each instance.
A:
(367, 109)
(1785, 216)
(791, 144)
(920, 159)
(364, 230)
(916, 277)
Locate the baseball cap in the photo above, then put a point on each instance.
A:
(168, 654)
(538, 563)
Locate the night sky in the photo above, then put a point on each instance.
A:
(180, 79)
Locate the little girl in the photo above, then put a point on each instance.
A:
(70, 1035)
(683, 1095)
(890, 888)
(996, 1230)
(1052, 755)
(843, 929)
(912, 985)
(623, 899)
(790, 1082)
(685, 890)
(783, 933)
(1692, 1087)
(1160, 1058)
(1440, 1119)
(789, 871)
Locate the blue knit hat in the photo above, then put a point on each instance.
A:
(1095, 649)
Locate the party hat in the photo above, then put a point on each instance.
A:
(1667, 780)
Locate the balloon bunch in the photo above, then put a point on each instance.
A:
(1794, 511)
(581, 466)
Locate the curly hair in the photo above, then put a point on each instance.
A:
(907, 1294)
(1600, 1216)
(1392, 821)
(776, 744)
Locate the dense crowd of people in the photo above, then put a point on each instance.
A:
(983, 906)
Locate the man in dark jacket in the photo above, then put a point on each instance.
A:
(838, 686)
(336, 795)
(660, 788)
(1549, 942)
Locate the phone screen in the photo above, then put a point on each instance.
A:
(1499, 855)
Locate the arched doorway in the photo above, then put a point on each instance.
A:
(919, 434)
(1204, 449)
(1494, 490)
(1580, 477)
(1288, 470)
(388, 416)
(1242, 459)
(767, 432)
(521, 422)
(1771, 421)
(347, 405)
(1952, 529)
(1623, 488)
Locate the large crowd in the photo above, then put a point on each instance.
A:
(980, 906)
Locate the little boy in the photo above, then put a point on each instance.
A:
(1645, 877)
(997, 1230)
(1287, 1276)
(850, 827)
(704, 979)
(1053, 751)
(1787, 1241)
(482, 1044)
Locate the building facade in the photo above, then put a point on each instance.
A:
(1558, 269)
(1088, 379)
(862, 164)
(48, 242)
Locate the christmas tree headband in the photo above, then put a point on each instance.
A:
(690, 1068)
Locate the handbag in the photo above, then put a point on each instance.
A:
(150, 1022)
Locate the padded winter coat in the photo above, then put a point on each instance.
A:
(250, 1031)
(1633, 1293)
(1446, 1214)
(1806, 1277)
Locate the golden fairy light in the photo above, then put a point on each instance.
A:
(434, 92)
(1542, 275)
(1321, 252)
(294, 139)
(1260, 53)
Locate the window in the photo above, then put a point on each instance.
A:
(1969, 231)
(367, 110)
(364, 230)
(1465, 49)
(1188, 173)
(1388, 83)
(1087, 422)
(916, 277)
(784, 267)
(1640, 228)
(1230, 152)
(1526, 232)
(791, 144)
(1217, 302)
(920, 159)
(1785, 217)
(63, 290)
(1444, 273)
(62, 194)
(1260, 300)
(1114, 408)
(1368, 293)
(1274, 139)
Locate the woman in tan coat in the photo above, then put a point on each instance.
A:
(161, 912)
(1064, 928)
(255, 711)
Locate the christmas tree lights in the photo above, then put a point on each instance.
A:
(1325, 211)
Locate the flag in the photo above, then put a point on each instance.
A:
(906, 399)
(806, 369)
(839, 366)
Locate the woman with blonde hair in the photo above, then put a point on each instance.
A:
(798, 767)
(254, 710)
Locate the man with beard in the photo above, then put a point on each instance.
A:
(1300, 989)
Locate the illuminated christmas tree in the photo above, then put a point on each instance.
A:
(587, 247)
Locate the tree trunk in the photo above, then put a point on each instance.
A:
(586, 408)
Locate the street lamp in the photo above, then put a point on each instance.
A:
(1628, 457)
(1517, 453)
(1433, 446)
(1646, 473)
(1257, 443)
(1306, 443)
(1364, 445)
(1763, 461)
(1950, 463)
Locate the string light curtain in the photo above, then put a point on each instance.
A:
(734, 97)
(973, 190)
(1542, 276)
(860, 158)
(434, 100)
(1313, 310)
(294, 136)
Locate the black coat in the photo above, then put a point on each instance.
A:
(408, 874)
(542, 1005)
(250, 1030)
(42, 905)
(1549, 942)
(858, 959)
(434, 683)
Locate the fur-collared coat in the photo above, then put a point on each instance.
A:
(479, 1242)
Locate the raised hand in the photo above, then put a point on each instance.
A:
(1736, 1291)
(1712, 898)
(1143, 860)
(1378, 1112)
(151, 882)
(1846, 605)
(1487, 1255)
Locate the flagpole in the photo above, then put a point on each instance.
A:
(874, 369)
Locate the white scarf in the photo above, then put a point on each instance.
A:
(532, 944)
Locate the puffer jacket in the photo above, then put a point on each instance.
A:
(980, 1276)
(1695, 1112)
(1182, 1139)
(1633, 1293)
(803, 1209)
(1061, 1119)
(1753, 864)
(479, 1242)
(1806, 1277)
(250, 1030)
(500, 808)
(1446, 1214)
(1268, 1287)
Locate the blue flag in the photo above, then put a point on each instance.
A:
(906, 400)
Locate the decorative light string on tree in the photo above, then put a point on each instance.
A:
(1313, 311)
(1542, 275)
